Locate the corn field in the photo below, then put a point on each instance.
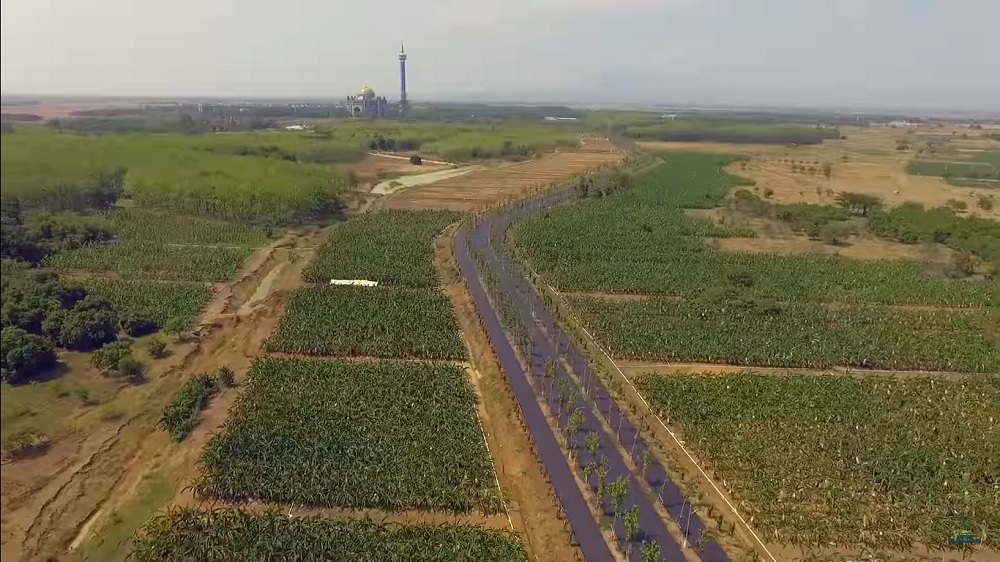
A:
(817, 459)
(232, 535)
(390, 322)
(359, 435)
(151, 260)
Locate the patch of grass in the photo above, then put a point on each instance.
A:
(158, 302)
(181, 416)
(112, 540)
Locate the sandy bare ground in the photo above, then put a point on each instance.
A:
(403, 182)
(854, 247)
(488, 186)
(60, 109)
(373, 165)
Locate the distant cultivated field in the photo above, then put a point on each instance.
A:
(866, 161)
(481, 188)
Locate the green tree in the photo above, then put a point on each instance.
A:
(631, 529)
(593, 444)
(574, 425)
(618, 490)
(834, 233)
(602, 480)
(860, 204)
(24, 355)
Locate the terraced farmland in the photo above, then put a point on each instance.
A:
(189, 534)
(391, 322)
(819, 459)
(377, 435)
(391, 247)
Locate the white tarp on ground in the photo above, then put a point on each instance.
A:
(355, 282)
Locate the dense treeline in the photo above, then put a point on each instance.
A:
(39, 312)
(912, 224)
(43, 235)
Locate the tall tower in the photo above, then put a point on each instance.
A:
(402, 79)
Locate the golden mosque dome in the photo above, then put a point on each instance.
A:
(367, 93)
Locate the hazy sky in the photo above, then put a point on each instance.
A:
(881, 53)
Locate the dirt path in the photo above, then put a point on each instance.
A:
(396, 184)
(104, 472)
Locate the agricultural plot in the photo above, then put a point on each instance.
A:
(388, 322)
(158, 302)
(391, 247)
(820, 459)
(795, 334)
(357, 435)
(155, 245)
(481, 188)
(642, 242)
(187, 174)
(189, 534)
(154, 261)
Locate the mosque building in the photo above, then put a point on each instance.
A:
(366, 104)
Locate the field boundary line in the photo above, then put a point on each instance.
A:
(664, 425)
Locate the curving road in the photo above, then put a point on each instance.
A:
(501, 290)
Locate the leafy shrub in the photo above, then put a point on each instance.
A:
(107, 357)
(957, 204)
(985, 203)
(156, 348)
(136, 325)
(859, 204)
(224, 376)
(24, 355)
(835, 232)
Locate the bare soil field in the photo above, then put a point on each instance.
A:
(867, 161)
(855, 247)
(481, 188)
(374, 166)
(60, 109)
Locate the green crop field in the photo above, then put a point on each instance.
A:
(391, 247)
(187, 174)
(966, 169)
(388, 322)
(158, 302)
(231, 534)
(794, 334)
(154, 261)
(642, 242)
(159, 246)
(747, 309)
(377, 435)
(816, 460)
